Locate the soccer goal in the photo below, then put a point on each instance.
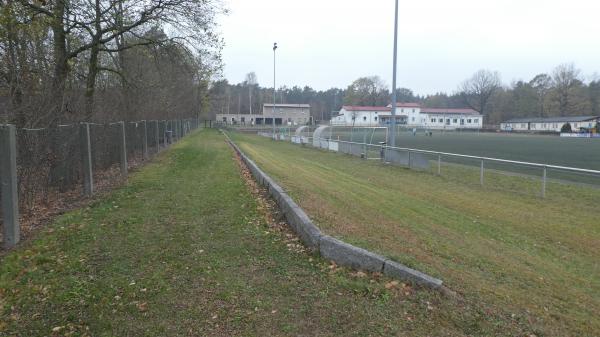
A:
(359, 134)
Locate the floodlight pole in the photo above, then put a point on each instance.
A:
(393, 122)
(274, 88)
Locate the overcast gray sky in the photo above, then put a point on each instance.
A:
(330, 43)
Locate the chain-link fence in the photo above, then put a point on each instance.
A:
(45, 171)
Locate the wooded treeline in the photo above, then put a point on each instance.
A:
(101, 60)
(561, 92)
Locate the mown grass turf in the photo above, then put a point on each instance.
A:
(537, 259)
(183, 250)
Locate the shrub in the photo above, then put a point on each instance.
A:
(566, 128)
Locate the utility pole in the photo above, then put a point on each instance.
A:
(274, 92)
(393, 122)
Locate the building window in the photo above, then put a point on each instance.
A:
(402, 110)
(364, 118)
(413, 110)
(433, 120)
(376, 118)
(225, 119)
(523, 126)
(469, 121)
(455, 121)
(441, 120)
(243, 119)
(476, 120)
(544, 125)
(413, 119)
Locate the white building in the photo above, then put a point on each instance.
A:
(360, 115)
(549, 124)
(410, 115)
(283, 114)
(436, 118)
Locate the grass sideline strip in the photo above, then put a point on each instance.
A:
(330, 248)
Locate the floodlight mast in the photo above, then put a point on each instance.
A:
(274, 90)
(393, 121)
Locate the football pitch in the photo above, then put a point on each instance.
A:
(552, 150)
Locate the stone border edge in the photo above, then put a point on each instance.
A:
(340, 252)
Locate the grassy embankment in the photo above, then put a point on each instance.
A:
(536, 259)
(184, 250)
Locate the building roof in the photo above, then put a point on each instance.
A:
(444, 111)
(405, 105)
(365, 108)
(552, 119)
(287, 105)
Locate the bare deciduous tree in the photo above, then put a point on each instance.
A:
(478, 89)
(566, 79)
(542, 84)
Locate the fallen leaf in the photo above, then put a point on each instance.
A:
(142, 306)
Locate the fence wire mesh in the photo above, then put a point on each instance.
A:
(50, 161)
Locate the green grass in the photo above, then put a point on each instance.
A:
(512, 253)
(184, 250)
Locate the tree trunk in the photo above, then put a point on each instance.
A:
(61, 67)
(90, 87)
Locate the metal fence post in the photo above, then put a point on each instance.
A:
(8, 179)
(165, 134)
(544, 183)
(123, 149)
(439, 165)
(481, 174)
(175, 131)
(145, 141)
(157, 135)
(409, 159)
(86, 154)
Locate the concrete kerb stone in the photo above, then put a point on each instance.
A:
(340, 252)
(399, 271)
(308, 232)
(348, 255)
